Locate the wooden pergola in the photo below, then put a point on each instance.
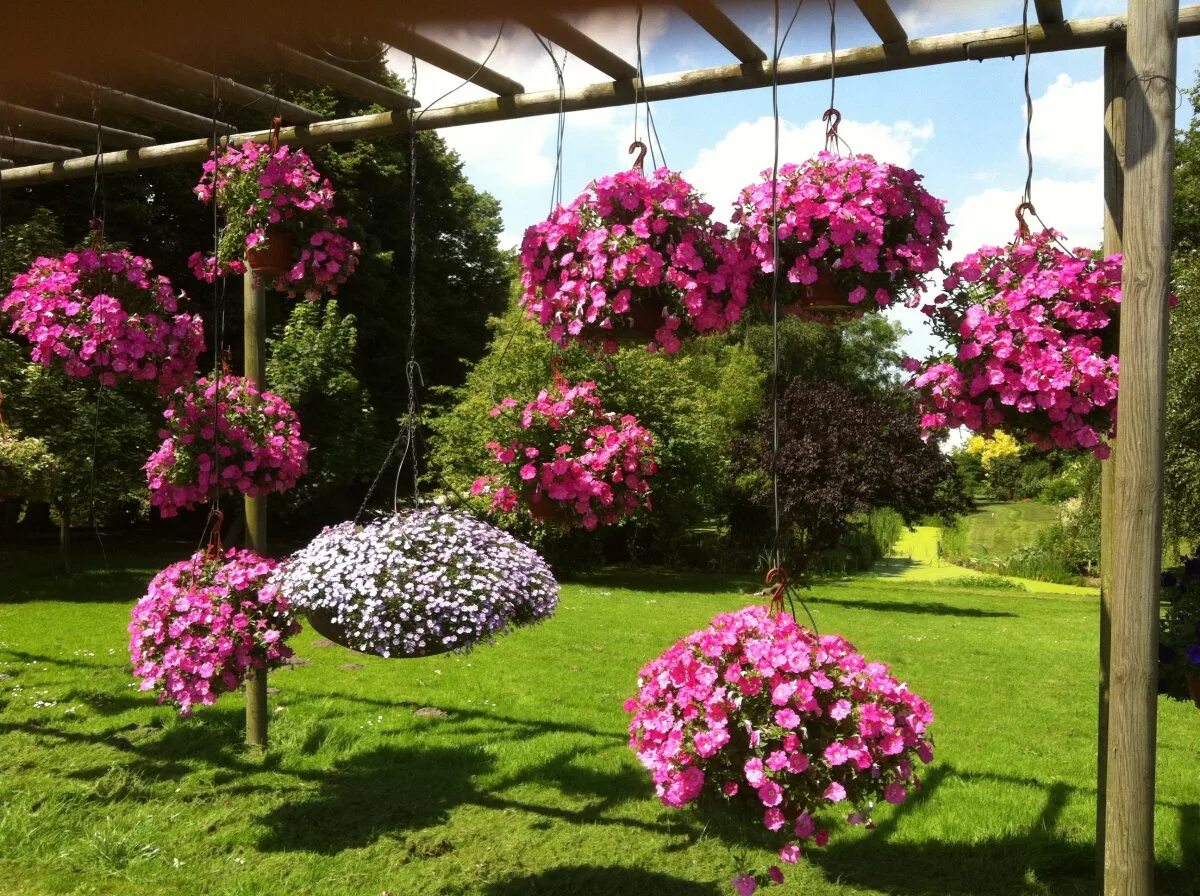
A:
(66, 72)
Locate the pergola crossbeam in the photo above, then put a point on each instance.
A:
(35, 149)
(580, 45)
(347, 82)
(201, 81)
(882, 19)
(978, 45)
(139, 107)
(75, 128)
(1049, 12)
(440, 56)
(724, 30)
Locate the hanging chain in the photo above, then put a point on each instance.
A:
(1026, 204)
(412, 371)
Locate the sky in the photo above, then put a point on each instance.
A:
(960, 125)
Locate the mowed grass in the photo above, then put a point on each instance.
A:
(505, 772)
(998, 529)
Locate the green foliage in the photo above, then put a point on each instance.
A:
(312, 366)
(27, 468)
(985, 582)
(1181, 472)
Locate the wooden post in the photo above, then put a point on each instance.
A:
(1150, 96)
(1115, 76)
(254, 315)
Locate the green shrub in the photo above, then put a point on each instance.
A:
(989, 582)
(28, 470)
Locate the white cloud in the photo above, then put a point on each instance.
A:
(1073, 207)
(924, 17)
(739, 157)
(1068, 124)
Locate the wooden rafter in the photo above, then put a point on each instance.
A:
(347, 82)
(34, 149)
(76, 129)
(201, 81)
(139, 107)
(723, 29)
(440, 56)
(1049, 12)
(991, 43)
(581, 46)
(882, 19)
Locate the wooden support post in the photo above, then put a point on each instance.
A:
(1150, 97)
(1115, 77)
(254, 315)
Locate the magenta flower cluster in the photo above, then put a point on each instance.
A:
(264, 194)
(104, 313)
(567, 461)
(635, 257)
(869, 225)
(757, 709)
(225, 436)
(204, 623)
(1026, 322)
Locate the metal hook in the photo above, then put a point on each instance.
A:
(640, 148)
(276, 123)
(778, 577)
(1022, 224)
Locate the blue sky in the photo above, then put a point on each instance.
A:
(961, 125)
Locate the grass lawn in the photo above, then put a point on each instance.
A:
(998, 529)
(505, 772)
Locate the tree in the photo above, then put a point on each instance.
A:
(1181, 471)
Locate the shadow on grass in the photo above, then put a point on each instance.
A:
(32, 574)
(928, 607)
(891, 567)
(599, 880)
(666, 581)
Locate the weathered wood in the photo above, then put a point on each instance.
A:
(1149, 157)
(724, 30)
(334, 76)
(1115, 75)
(201, 81)
(409, 41)
(139, 107)
(75, 128)
(580, 45)
(1049, 12)
(254, 317)
(35, 149)
(6, 163)
(986, 44)
(879, 16)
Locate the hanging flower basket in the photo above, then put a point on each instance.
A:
(425, 582)
(204, 623)
(1179, 631)
(105, 313)
(1027, 324)
(860, 234)
(224, 436)
(279, 221)
(565, 461)
(636, 259)
(757, 713)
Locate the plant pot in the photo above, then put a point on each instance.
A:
(645, 319)
(1193, 686)
(551, 513)
(824, 297)
(324, 625)
(274, 257)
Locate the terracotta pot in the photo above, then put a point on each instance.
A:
(276, 256)
(1193, 686)
(325, 626)
(824, 297)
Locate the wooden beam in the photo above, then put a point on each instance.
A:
(724, 30)
(201, 81)
(580, 45)
(1049, 12)
(1137, 550)
(34, 149)
(6, 163)
(409, 41)
(75, 128)
(139, 107)
(975, 45)
(338, 78)
(1115, 76)
(879, 16)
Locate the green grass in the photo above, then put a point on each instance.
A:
(505, 772)
(999, 529)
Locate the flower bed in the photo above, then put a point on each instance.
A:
(637, 258)
(105, 313)
(758, 710)
(865, 230)
(566, 461)
(248, 444)
(425, 582)
(204, 623)
(1027, 323)
(270, 195)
